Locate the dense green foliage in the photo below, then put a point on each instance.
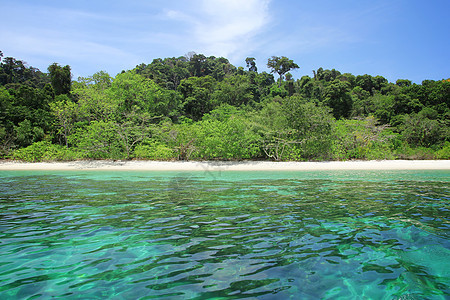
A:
(204, 108)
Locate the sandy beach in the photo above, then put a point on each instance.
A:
(229, 166)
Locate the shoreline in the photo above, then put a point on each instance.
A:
(226, 165)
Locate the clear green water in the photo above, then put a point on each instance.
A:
(224, 235)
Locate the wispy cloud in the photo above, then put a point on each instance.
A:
(67, 36)
(113, 39)
(38, 47)
(224, 27)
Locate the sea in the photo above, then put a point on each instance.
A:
(91, 234)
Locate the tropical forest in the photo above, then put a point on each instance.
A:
(196, 107)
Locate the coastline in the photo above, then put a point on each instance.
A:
(226, 165)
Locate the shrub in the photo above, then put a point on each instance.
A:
(44, 151)
(153, 150)
(420, 131)
(407, 152)
(229, 139)
(444, 153)
(363, 139)
(98, 140)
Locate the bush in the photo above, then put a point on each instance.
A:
(44, 151)
(423, 132)
(363, 139)
(295, 130)
(228, 139)
(444, 153)
(153, 150)
(98, 140)
(406, 152)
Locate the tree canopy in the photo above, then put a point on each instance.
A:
(281, 65)
(198, 107)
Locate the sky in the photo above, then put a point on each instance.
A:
(397, 39)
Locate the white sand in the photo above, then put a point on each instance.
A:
(230, 166)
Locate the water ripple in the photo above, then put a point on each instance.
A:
(198, 239)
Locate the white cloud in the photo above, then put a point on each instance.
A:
(112, 40)
(65, 50)
(225, 27)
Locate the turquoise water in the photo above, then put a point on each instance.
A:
(225, 235)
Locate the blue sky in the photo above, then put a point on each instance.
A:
(406, 39)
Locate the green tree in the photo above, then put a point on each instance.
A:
(251, 64)
(276, 137)
(338, 98)
(433, 94)
(198, 65)
(6, 141)
(65, 111)
(234, 90)
(403, 82)
(167, 72)
(231, 138)
(363, 139)
(134, 129)
(98, 140)
(27, 134)
(94, 100)
(281, 65)
(6, 102)
(100, 80)
(307, 87)
(382, 107)
(327, 75)
(362, 107)
(294, 129)
(30, 104)
(137, 93)
(14, 71)
(372, 84)
(262, 83)
(61, 78)
(197, 92)
(421, 131)
(311, 127)
(180, 138)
